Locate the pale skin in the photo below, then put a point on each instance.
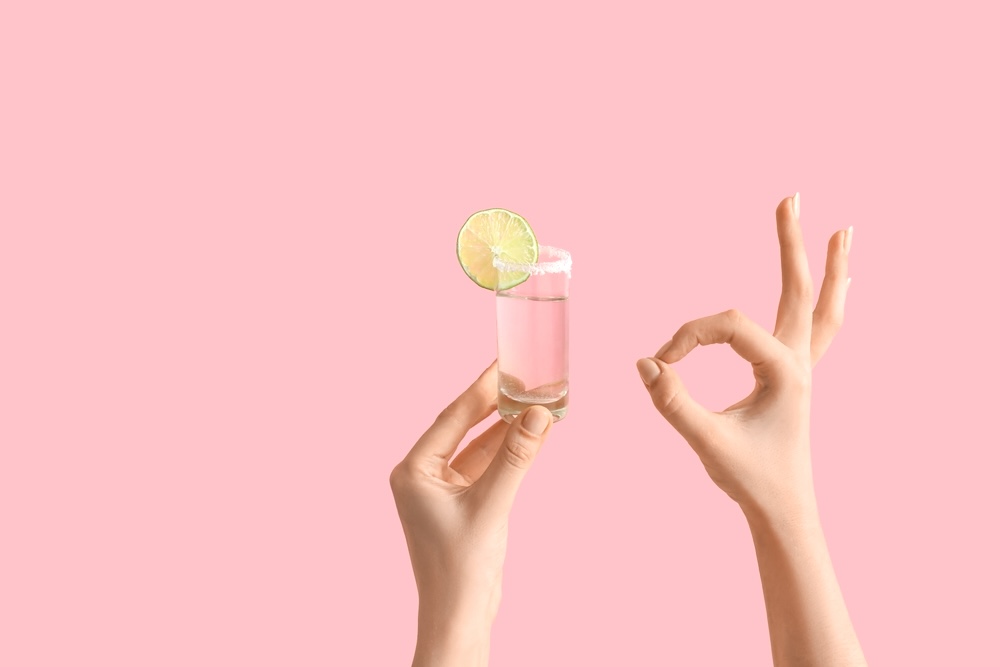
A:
(757, 451)
(454, 509)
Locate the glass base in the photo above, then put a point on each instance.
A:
(509, 408)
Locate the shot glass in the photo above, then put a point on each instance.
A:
(533, 334)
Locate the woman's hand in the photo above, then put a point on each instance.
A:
(757, 451)
(454, 513)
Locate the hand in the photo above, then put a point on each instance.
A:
(757, 451)
(454, 514)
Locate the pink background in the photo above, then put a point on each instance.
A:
(230, 303)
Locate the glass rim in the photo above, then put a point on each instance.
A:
(562, 263)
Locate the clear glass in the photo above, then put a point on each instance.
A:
(533, 334)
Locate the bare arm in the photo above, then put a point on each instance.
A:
(806, 614)
(454, 510)
(757, 451)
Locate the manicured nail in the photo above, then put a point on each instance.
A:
(648, 370)
(535, 420)
(848, 237)
(795, 204)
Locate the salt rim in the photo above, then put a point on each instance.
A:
(562, 264)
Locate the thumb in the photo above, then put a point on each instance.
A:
(673, 401)
(499, 483)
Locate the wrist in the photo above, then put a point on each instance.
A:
(783, 514)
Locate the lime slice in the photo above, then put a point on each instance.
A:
(496, 233)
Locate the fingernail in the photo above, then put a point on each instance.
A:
(648, 370)
(848, 237)
(795, 204)
(664, 348)
(848, 283)
(535, 420)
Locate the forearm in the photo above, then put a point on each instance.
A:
(454, 632)
(452, 644)
(806, 614)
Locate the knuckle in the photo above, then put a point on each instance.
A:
(447, 414)
(669, 402)
(517, 453)
(734, 318)
(399, 476)
(798, 288)
(830, 320)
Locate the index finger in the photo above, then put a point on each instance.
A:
(745, 336)
(473, 406)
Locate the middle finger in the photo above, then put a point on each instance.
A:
(794, 322)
